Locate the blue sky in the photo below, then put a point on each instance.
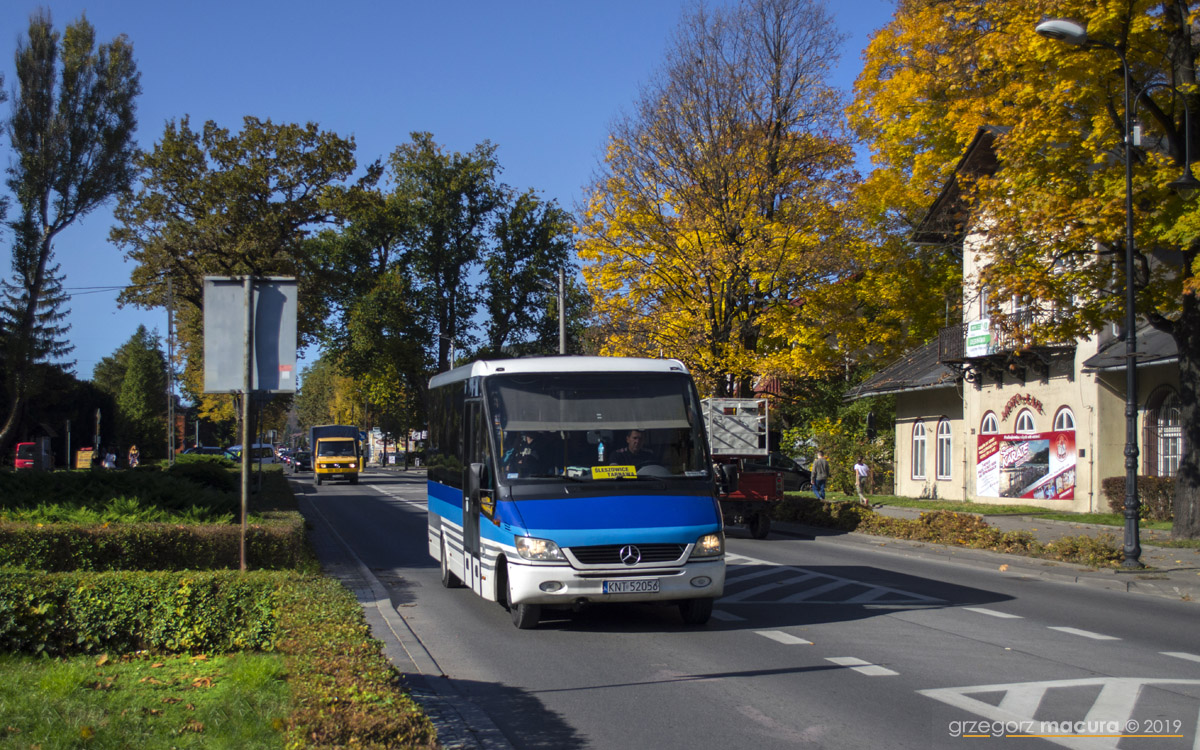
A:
(541, 79)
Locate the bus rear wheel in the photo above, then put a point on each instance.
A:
(449, 580)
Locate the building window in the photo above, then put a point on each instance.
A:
(990, 426)
(1064, 420)
(1025, 422)
(1163, 441)
(943, 449)
(918, 451)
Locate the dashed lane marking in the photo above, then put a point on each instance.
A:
(1085, 633)
(1181, 655)
(862, 667)
(785, 638)
(993, 613)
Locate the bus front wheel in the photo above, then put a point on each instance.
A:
(524, 616)
(695, 611)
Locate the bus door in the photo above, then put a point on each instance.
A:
(477, 484)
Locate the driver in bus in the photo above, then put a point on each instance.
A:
(633, 454)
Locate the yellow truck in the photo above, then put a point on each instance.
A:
(336, 452)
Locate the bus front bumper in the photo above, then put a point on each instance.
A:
(564, 585)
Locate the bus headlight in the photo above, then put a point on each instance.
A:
(538, 549)
(709, 545)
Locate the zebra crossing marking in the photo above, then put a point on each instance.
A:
(740, 570)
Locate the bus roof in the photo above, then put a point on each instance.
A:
(556, 364)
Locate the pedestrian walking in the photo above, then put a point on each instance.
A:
(134, 456)
(862, 481)
(820, 475)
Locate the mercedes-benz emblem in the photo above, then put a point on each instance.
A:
(630, 555)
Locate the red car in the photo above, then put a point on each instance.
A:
(24, 455)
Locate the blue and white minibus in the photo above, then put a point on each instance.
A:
(563, 481)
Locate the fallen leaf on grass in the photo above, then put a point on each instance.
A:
(171, 700)
(202, 682)
(192, 726)
(102, 660)
(156, 665)
(151, 680)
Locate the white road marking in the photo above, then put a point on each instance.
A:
(788, 576)
(1086, 634)
(1181, 655)
(784, 638)
(1114, 704)
(993, 613)
(862, 667)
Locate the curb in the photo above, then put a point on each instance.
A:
(1154, 583)
(460, 724)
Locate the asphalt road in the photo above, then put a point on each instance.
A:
(817, 643)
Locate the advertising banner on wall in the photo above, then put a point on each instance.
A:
(1037, 466)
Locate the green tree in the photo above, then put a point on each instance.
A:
(72, 134)
(720, 200)
(135, 377)
(212, 202)
(315, 398)
(532, 241)
(1054, 209)
(450, 198)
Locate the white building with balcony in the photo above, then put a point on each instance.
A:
(984, 414)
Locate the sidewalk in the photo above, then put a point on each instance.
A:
(1170, 572)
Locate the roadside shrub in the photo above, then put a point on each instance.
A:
(1099, 552)
(68, 613)
(277, 545)
(97, 496)
(216, 474)
(948, 527)
(1156, 495)
(346, 693)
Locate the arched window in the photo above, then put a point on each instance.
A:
(943, 449)
(990, 426)
(1162, 443)
(1025, 422)
(918, 451)
(1064, 420)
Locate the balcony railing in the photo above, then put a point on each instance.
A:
(977, 339)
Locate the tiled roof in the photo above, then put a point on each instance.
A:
(917, 370)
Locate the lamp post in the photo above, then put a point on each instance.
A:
(1075, 34)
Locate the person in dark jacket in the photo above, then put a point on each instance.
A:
(820, 475)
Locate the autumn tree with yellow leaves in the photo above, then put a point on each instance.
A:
(720, 200)
(1054, 208)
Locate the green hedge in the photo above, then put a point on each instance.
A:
(67, 613)
(278, 545)
(1156, 495)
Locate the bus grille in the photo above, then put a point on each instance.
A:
(610, 554)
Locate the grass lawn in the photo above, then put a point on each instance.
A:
(143, 701)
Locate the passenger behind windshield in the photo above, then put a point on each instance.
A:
(522, 459)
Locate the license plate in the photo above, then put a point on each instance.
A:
(647, 586)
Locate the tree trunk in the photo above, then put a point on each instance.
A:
(1187, 483)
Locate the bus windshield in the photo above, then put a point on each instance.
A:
(593, 426)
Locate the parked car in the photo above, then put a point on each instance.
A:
(795, 477)
(301, 461)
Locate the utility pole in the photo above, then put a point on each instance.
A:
(170, 372)
(562, 309)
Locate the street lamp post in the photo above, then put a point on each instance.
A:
(1073, 33)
